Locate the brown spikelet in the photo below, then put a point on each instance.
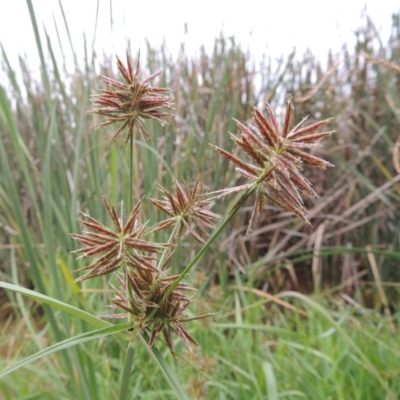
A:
(151, 306)
(187, 208)
(131, 102)
(114, 247)
(277, 156)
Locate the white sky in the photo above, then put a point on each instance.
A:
(271, 27)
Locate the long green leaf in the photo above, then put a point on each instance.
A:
(65, 344)
(270, 381)
(54, 303)
(165, 369)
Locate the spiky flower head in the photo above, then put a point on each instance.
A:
(277, 157)
(152, 306)
(189, 207)
(115, 247)
(132, 101)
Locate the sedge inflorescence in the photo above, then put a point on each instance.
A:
(147, 294)
(144, 292)
(186, 208)
(277, 156)
(115, 247)
(132, 101)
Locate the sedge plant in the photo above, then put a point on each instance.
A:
(269, 157)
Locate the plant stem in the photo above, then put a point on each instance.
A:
(238, 204)
(130, 351)
(130, 202)
(130, 173)
(123, 392)
(170, 240)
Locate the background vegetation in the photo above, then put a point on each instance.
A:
(301, 312)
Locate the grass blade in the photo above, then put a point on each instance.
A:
(165, 369)
(65, 344)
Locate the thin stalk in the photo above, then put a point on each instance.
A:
(170, 240)
(126, 373)
(130, 201)
(130, 351)
(238, 204)
(133, 172)
(130, 173)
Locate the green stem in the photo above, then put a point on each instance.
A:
(131, 173)
(126, 374)
(238, 204)
(170, 240)
(130, 351)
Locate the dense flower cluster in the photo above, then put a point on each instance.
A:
(277, 156)
(144, 292)
(152, 306)
(131, 102)
(115, 247)
(185, 208)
